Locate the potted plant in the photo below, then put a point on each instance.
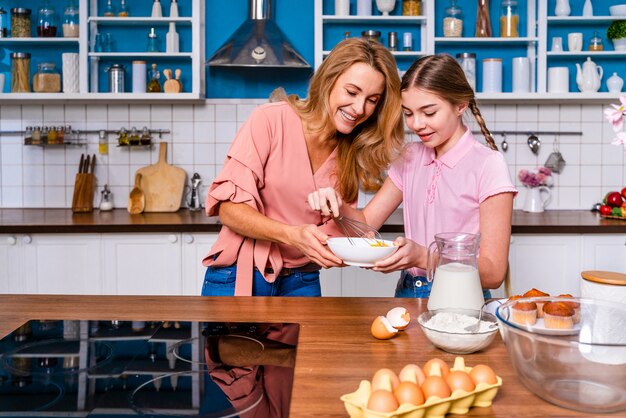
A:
(617, 33)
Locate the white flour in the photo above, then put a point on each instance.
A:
(456, 322)
(463, 342)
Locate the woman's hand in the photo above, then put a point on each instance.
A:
(408, 255)
(311, 242)
(326, 200)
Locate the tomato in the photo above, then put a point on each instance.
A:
(624, 193)
(614, 199)
(605, 210)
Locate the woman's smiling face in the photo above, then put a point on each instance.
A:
(436, 121)
(355, 95)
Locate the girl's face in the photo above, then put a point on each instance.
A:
(436, 121)
(355, 95)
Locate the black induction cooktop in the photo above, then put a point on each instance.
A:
(51, 368)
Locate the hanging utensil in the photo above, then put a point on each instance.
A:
(504, 144)
(555, 161)
(534, 143)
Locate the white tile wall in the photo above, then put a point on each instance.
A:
(200, 136)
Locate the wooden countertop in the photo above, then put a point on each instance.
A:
(28, 221)
(335, 349)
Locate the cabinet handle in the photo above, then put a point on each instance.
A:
(27, 239)
(11, 240)
(188, 238)
(173, 238)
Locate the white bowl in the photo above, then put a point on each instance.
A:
(360, 252)
(618, 10)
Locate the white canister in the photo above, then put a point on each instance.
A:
(364, 7)
(492, 75)
(558, 80)
(71, 69)
(603, 285)
(615, 83)
(342, 7)
(521, 75)
(139, 77)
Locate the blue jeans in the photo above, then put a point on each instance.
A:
(220, 281)
(419, 287)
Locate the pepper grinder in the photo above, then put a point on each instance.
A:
(106, 199)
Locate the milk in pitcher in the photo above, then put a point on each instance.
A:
(456, 285)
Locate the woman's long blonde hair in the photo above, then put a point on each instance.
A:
(443, 76)
(365, 153)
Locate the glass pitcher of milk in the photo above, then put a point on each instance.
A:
(452, 267)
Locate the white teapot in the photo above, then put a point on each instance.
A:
(589, 76)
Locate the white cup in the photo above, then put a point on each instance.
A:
(2, 82)
(575, 41)
(492, 75)
(557, 44)
(521, 75)
(558, 80)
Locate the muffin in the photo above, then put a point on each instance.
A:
(524, 312)
(558, 315)
(575, 306)
(533, 293)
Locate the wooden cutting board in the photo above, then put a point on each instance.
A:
(162, 184)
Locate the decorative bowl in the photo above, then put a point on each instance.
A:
(582, 369)
(457, 340)
(361, 252)
(618, 10)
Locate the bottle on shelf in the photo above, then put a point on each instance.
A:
(171, 39)
(52, 135)
(509, 19)
(124, 10)
(595, 43)
(483, 22)
(60, 135)
(103, 144)
(28, 135)
(47, 21)
(133, 137)
(154, 86)
(157, 11)
(588, 9)
(123, 137)
(153, 41)
(174, 8)
(71, 20)
(109, 10)
(453, 21)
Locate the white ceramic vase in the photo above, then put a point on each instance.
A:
(615, 83)
(562, 8)
(537, 198)
(619, 44)
(385, 6)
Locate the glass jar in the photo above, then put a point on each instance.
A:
(467, 61)
(71, 20)
(509, 19)
(3, 23)
(371, 35)
(595, 43)
(124, 10)
(153, 41)
(483, 21)
(47, 79)
(453, 21)
(411, 7)
(133, 137)
(154, 86)
(20, 22)
(20, 72)
(109, 10)
(47, 21)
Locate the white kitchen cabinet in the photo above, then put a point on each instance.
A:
(551, 263)
(12, 262)
(194, 248)
(142, 264)
(604, 252)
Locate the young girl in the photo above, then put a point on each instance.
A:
(449, 182)
(343, 135)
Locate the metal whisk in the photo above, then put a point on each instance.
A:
(354, 229)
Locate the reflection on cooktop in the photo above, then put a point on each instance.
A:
(115, 368)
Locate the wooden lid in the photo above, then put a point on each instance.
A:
(605, 277)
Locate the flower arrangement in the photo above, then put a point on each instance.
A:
(615, 115)
(542, 176)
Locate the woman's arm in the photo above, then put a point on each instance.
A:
(495, 234)
(246, 221)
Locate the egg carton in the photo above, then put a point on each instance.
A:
(459, 402)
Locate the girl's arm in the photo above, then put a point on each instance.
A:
(495, 234)
(246, 221)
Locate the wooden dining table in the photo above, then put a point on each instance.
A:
(335, 349)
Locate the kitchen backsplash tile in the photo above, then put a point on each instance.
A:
(201, 134)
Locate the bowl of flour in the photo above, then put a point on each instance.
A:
(447, 329)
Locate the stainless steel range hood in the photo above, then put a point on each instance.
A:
(258, 42)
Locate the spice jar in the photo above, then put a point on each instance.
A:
(411, 7)
(3, 23)
(71, 20)
(20, 72)
(453, 21)
(20, 22)
(371, 35)
(595, 43)
(509, 19)
(47, 21)
(47, 79)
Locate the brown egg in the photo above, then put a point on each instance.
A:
(399, 318)
(382, 401)
(385, 379)
(483, 374)
(409, 392)
(382, 329)
(458, 379)
(412, 373)
(444, 369)
(435, 386)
